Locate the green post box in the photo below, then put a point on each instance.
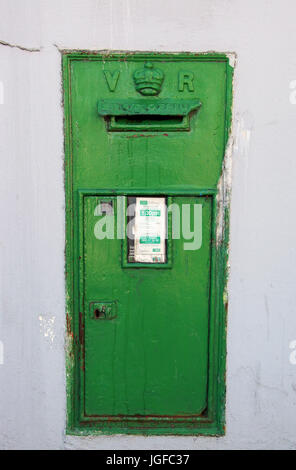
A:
(146, 243)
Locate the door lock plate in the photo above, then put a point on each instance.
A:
(103, 310)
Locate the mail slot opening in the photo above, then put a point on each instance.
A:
(148, 122)
(143, 119)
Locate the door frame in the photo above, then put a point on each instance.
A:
(213, 421)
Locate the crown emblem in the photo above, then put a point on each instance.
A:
(148, 80)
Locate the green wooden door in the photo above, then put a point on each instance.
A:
(146, 340)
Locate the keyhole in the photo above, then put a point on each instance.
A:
(99, 313)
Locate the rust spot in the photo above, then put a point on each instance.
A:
(81, 340)
(81, 328)
(69, 326)
(135, 136)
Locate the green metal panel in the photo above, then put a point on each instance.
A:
(141, 362)
(146, 343)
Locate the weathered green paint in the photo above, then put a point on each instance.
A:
(155, 363)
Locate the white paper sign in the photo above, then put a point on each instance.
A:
(150, 230)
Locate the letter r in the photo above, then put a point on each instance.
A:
(186, 78)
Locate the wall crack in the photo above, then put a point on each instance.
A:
(22, 48)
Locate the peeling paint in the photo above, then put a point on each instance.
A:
(232, 58)
(224, 190)
(225, 180)
(47, 327)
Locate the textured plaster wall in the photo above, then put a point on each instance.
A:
(261, 382)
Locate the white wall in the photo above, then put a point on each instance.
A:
(261, 382)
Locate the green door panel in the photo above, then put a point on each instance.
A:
(152, 358)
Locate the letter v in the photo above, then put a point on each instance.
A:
(111, 79)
